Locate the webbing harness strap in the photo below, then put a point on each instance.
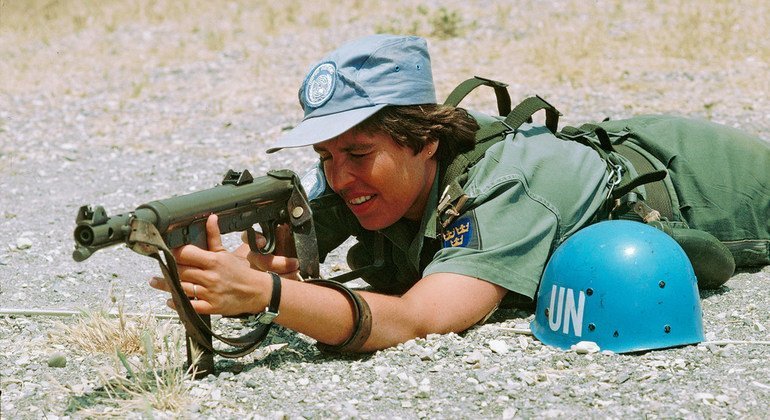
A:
(524, 111)
(657, 194)
(490, 134)
(454, 174)
(466, 87)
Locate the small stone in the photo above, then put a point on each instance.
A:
(528, 378)
(498, 346)
(510, 413)
(585, 347)
(483, 375)
(423, 391)
(523, 343)
(23, 243)
(57, 360)
(405, 378)
(474, 357)
(382, 371)
(622, 377)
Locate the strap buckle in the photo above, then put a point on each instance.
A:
(616, 175)
(449, 208)
(641, 208)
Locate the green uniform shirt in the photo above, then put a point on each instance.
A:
(527, 194)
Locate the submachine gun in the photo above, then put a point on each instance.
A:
(240, 202)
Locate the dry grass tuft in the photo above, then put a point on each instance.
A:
(100, 332)
(148, 371)
(153, 382)
(156, 380)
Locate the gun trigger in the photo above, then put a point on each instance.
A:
(251, 237)
(269, 233)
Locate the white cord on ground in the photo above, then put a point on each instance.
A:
(67, 312)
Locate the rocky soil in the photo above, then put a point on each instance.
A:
(149, 109)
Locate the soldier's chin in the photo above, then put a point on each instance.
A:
(372, 225)
(374, 221)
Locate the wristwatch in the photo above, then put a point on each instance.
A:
(266, 317)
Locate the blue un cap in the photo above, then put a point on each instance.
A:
(355, 81)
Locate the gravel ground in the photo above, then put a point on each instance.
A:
(103, 118)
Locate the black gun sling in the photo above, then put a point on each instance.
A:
(146, 240)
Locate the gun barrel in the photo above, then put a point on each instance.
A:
(95, 230)
(181, 219)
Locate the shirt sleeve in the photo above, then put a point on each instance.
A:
(504, 238)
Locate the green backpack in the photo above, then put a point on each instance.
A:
(713, 261)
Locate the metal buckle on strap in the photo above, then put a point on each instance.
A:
(508, 126)
(641, 208)
(616, 175)
(449, 208)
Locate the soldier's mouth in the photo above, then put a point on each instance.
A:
(360, 200)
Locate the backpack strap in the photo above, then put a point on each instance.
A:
(454, 175)
(466, 87)
(524, 111)
(657, 197)
(521, 114)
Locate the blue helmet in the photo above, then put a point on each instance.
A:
(623, 285)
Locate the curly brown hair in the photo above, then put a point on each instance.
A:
(416, 126)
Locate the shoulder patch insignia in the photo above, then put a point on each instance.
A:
(463, 232)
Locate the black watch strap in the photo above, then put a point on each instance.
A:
(271, 311)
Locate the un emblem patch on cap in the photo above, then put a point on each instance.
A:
(319, 85)
(462, 233)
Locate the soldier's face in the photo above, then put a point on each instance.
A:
(380, 181)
